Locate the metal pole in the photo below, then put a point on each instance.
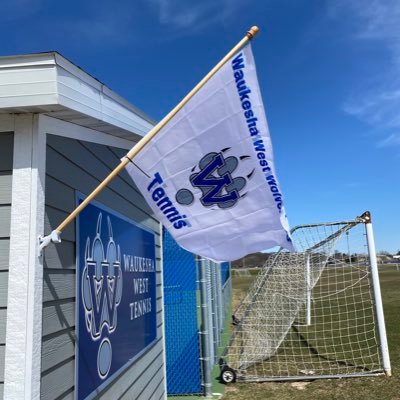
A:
(220, 300)
(308, 288)
(377, 294)
(163, 302)
(348, 247)
(214, 302)
(210, 302)
(205, 328)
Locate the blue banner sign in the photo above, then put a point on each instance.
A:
(225, 272)
(116, 296)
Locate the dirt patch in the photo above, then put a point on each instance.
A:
(299, 385)
(231, 389)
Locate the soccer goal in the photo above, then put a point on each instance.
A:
(316, 313)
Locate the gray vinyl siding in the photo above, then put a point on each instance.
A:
(6, 167)
(76, 165)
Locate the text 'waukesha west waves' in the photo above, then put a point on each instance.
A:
(244, 91)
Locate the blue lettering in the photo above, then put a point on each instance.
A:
(157, 179)
(164, 203)
(244, 94)
(158, 194)
(238, 75)
(237, 63)
(248, 114)
(246, 105)
(241, 85)
(259, 145)
(180, 224)
(271, 180)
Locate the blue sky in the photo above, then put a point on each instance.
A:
(328, 71)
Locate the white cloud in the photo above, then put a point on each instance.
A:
(183, 14)
(379, 106)
(376, 22)
(193, 16)
(391, 140)
(374, 19)
(124, 22)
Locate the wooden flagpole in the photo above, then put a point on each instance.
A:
(54, 237)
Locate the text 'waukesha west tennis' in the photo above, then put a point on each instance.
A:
(137, 264)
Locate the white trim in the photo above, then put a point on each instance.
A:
(25, 286)
(58, 127)
(76, 71)
(49, 83)
(80, 74)
(383, 344)
(163, 308)
(27, 60)
(308, 290)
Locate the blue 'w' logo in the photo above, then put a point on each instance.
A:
(101, 283)
(213, 187)
(103, 298)
(215, 181)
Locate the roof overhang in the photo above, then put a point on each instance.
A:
(48, 83)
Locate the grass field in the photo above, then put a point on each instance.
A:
(369, 388)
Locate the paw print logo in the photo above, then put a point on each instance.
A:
(101, 290)
(215, 180)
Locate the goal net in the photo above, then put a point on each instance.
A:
(309, 314)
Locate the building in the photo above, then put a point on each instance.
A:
(64, 314)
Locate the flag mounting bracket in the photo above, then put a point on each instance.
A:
(44, 241)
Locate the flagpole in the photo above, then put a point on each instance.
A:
(55, 235)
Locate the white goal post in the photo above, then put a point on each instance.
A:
(315, 313)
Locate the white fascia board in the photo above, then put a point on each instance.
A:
(78, 90)
(96, 102)
(28, 84)
(36, 100)
(27, 60)
(83, 76)
(116, 114)
(46, 80)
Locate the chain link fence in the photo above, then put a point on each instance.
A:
(197, 295)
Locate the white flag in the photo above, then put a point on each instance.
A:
(209, 173)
